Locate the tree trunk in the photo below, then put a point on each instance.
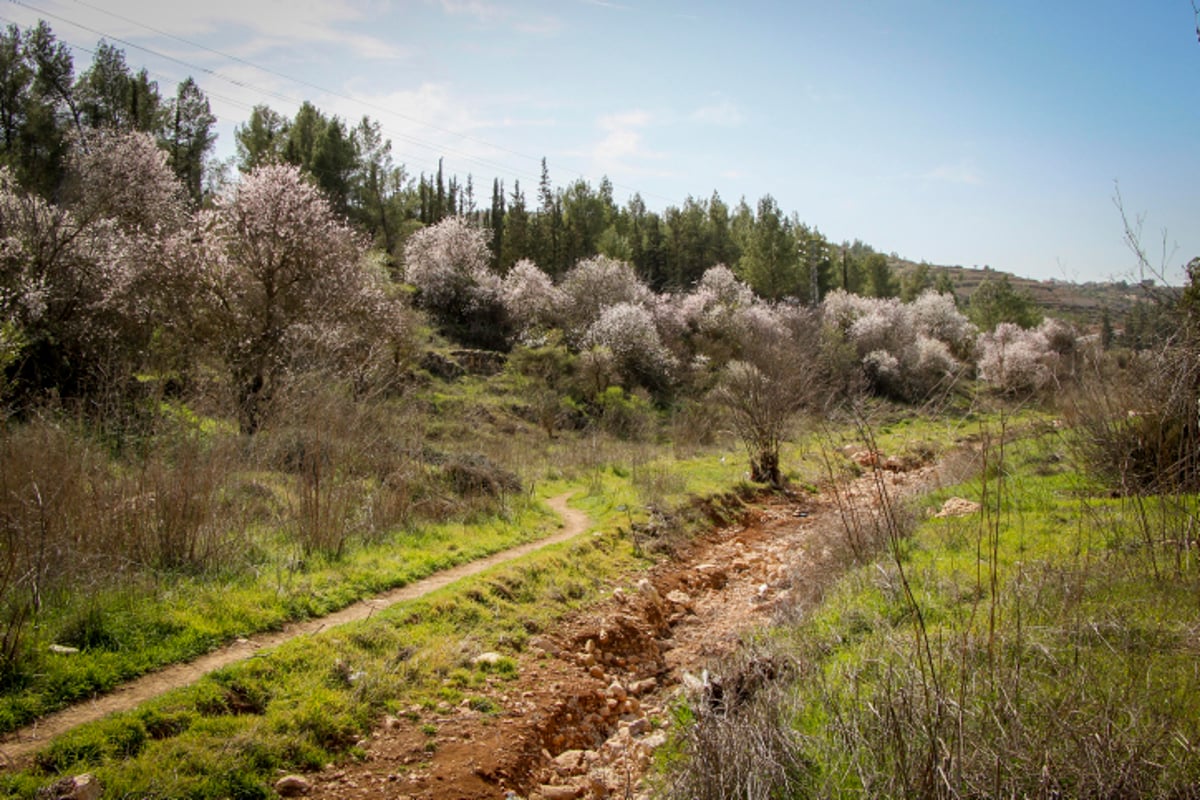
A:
(765, 468)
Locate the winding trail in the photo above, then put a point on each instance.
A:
(19, 745)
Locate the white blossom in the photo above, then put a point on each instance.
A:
(936, 316)
(628, 332)
(446, 263)
(1016, 360)
(530, 298)
(595, 284)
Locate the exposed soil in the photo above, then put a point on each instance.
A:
(591, 700)
(17, 746)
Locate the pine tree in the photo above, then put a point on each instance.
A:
(549, 226)
(261, 139)
(36, 106)
(495, 222)
(517, 242)
(190, 137)
(770, 263)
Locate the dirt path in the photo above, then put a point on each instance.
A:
(591, 702)
(17, 746)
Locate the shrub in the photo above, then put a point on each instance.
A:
(1138, 427)
(593, 285)
(474, 475)
(629, 333)
(531, 301)
(1015, 360)
(624, 415)
(736, 740)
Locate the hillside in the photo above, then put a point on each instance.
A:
(1081, 303)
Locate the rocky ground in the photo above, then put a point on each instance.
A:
(592, 699)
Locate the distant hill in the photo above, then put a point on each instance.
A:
(1080, 303)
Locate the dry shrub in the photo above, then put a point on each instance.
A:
(354, 464)
(73, 521)
(693, 428)
(67, 507)
(1011, 724)
(176, 506)
(1139, 427)
(475, 475)
(657, 482)
(739, 742)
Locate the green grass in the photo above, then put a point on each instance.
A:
(128, 632)
(1045, 647)
(310, 700)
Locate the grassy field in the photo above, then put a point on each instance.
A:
(1043, 647)
(308, 702)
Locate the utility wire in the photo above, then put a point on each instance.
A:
(310, 85)
(412, 140)
(432, 147)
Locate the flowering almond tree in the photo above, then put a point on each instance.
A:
(280, 268)
(1020, 361)
(80, 281)
(779, 375)
(531, 301)
(49, 287)
(126, 177)
(907, 350)
(448, 265)
(445, 263)
(595, 284)
(628, 332)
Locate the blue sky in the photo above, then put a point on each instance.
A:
(955, 131)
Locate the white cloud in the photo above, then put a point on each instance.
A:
(622, 149)
(622, 137)
(247, 29)
(434, 120)
(963, 172)
(723, 114)
(482, 11)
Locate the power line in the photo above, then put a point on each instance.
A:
(302, 82)
(412, 140)
(432, 147)
(164, 76)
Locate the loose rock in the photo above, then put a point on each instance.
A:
(293, 786)
(958, 507)
(80, 787)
